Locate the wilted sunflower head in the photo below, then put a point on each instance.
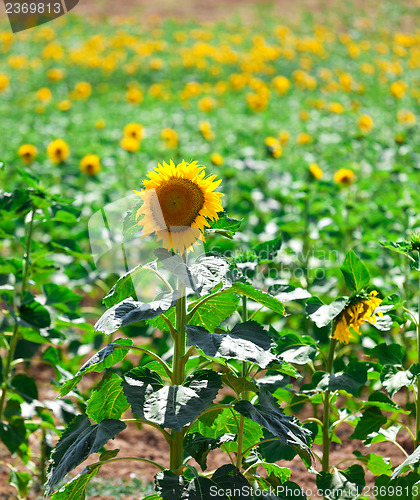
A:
(178, 199)
(359, 311)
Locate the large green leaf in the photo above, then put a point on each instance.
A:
(131, 311)
(224, 225)
(199, 446)
(269, 415)
(394, 379)
(247, 342)
(412, 460)
(351, 380)
(173, 406)
(215, 310)
(342, 484)
(75, 489)
(259, 296)
(13, 433)
(400, 488)
(60, 294)
(25, 386)
(105, 358)
(376, 464)
(371, 421)
(295, 348)
(107, 400)
(137, 385)
(356, 274)
(126, 285)
(216, 423)
(175, 264)
(391, 354)
(322, 314)
(79, 440)
(208, 271)
(169, 485)
(34, 314)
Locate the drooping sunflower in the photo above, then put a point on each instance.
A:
(178, 199)
(354, 315)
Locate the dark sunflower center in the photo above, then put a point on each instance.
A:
(180, 201)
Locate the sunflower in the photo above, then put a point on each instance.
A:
(134, 130)
(28, 153)
(354, 315)
(316, 171)
(344, 176)
(177, 199)
(58, 151)
(90, 164)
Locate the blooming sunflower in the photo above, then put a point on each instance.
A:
(28, 153)
(354, 315)
(90, 165)
(58, 151)
(177, 200)
(344, 176)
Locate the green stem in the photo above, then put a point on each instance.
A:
(241, 425)
(178, 370)
(326, 438)
(417, 441)
(16, 332)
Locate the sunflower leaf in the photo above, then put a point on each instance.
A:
(356, 274)
(247, 342)
(130, 311)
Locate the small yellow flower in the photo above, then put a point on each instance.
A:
(58, 151)
(406, 117)
(82, 90)
(365, 123)
(64, 105)
(354, 315)
(284, 137)
(398, 89)
(281, 84)
(134, 95)
(100, 124)
(206, 131)
(28, 153)
(257, 101)
(134, 130)
(206, 104)
(44, 94)
(170, 137)
(216, 159)
(4, 83)
(336, 107)
(304, 138)
(273, 147)
(90, 164)
(130, 144)
(55, 75)
(344, 176)
(315, 171)
(156, 63)
(304, 115)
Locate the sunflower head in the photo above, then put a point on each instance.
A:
(178, 199)
(58, 151)
(357, 312)
(344, 176)
(28, 153)
(90, 165)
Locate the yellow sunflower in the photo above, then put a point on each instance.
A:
(354, 315)
(58, 151)
(177, 200)
(28, 153)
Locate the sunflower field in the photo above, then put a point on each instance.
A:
(210, 257)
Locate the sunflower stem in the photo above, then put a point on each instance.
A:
(326, 438)
(16, 330)
(241, 425)
(178, 370)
